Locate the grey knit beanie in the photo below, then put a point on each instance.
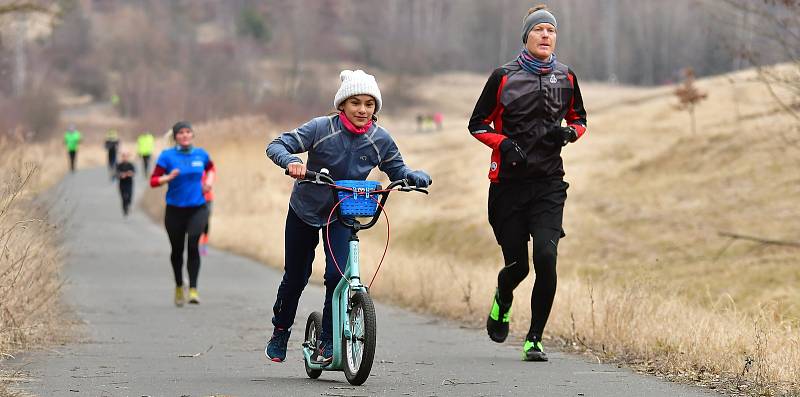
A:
(357, 83)
(535, 18)
(180, 125)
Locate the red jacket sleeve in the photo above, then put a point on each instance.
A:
(486, 123)
(576, 114)
(157, 172)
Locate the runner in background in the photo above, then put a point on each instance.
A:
(112, 145)
(438, 119)
(144, 145)
(427, 123)
(72, 138)
(209, 178)
(125, 172)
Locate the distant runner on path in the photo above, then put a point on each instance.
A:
(125, 172)
(112, 146)
(144, 147)
(209, 178)
(72, 139)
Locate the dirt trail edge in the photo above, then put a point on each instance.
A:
(137, 343)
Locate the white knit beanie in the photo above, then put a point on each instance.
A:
(357, 83)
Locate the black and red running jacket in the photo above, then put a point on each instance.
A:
(525, 106)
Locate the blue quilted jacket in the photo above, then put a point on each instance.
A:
(344, 154)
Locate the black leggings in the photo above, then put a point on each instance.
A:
(518, 211)
(146, 165)
(72, 155)
(545, 251)
(180, 222)
(112, 158)
(126, 191)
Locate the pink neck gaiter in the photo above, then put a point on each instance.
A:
(352, 128)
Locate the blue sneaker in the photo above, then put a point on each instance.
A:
(276, 348)
(324, 354)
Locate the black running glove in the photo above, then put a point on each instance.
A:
(561, 136)
(512, 155)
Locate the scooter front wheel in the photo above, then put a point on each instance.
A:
(313, 331)
(359, 349)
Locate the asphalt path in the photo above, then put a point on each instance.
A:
(135, 342)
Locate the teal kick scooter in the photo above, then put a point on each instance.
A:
(354, 322)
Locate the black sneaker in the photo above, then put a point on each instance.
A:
(499, 319)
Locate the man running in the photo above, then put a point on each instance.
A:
(145, 144)
(72, 138)
(112, 144)
(125, 173)
(519, 116)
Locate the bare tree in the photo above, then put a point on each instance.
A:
(775, 24)
(24, 7)
(689, 95)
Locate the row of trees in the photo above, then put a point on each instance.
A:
(627, 41)
(203, 58)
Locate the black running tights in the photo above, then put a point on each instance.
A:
(180, 223)
(545, 251)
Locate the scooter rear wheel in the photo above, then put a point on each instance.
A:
(313, 331)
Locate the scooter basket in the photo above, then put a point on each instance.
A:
(359, 202)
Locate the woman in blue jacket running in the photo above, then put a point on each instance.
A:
(182, 168)
(349, 144)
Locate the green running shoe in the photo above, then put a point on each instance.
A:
(499, 318)
(533, 351)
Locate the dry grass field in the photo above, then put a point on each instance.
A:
(645, 276)
(30, 314)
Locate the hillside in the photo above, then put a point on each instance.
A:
(644, 275)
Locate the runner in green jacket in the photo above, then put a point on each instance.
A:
(72, 138)
(145, 144)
